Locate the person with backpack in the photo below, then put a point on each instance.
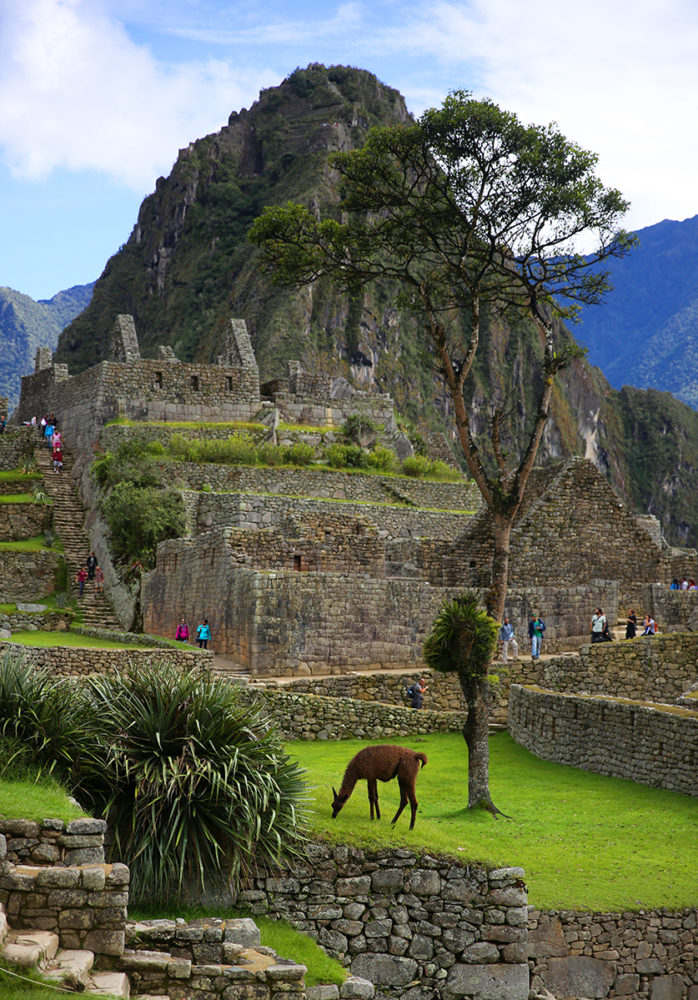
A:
(506, 635)
(203, 634)
(416, 693)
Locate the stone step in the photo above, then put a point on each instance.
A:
(110, 984)
(72, 967)
(29, 949)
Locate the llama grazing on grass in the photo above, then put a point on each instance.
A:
(382, 763)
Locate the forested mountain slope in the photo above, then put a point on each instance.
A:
(646, 332)
(26, 325)
(188, 268)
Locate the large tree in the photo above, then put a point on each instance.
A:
(466, 208)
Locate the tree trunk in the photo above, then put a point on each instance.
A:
(497, 591)
(476, 736)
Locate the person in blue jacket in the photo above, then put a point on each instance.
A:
(203, 634)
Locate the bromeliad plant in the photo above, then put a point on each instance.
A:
(195, 783)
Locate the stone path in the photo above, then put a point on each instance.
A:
(68, 524)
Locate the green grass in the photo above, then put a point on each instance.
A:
(189, 424)
(17, 498)
(585, 841)
(36, 800)
(36, 544)
(284, 939)
(70, 639)
(18, 476)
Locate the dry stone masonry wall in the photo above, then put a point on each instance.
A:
(652, 744)
(71, 661)
(412, 924)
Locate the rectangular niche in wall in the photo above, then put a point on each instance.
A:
(195, 383)
(157, 381)
(228, 383)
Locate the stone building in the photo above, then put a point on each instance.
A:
(312, 572)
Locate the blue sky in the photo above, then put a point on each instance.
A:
(98, 96)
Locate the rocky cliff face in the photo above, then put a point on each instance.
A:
(188, 268)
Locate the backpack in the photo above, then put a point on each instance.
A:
(410, 691)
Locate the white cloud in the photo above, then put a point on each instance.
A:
(617, 77)
(76, 92)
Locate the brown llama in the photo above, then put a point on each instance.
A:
(382, 763)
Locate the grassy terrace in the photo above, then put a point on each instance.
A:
(73, 640)
(36, 800)
(585, 841)
(36, 544)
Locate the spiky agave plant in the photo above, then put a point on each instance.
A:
(463, 639)
(46, 724)
(197, 786)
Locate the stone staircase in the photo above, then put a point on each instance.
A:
(39, 951)
(68, 524)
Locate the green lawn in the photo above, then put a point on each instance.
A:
(585, 841)
(36, 800)
(70, 639)
(36, 544)
(19, 498)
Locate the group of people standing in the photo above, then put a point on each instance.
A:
(600, 631)
(48, 428)
(536, 630)
(203, 633)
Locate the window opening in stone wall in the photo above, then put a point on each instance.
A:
(157, 382)
(195, 383)
(228, 383)
(297, 562)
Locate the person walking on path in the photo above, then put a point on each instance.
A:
(182, 631)
(203, 634)
(91, 563)
(416, 693)
(99, 580)
(506, 634)
(81, 579)
(537, 638)
(598, 621)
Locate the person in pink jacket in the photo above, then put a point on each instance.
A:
(182, 631)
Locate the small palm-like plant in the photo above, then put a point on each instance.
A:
(463, 639)
(46, 723)
(196, 786)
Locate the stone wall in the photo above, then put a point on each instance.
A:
(651, 954)
(27, 576)
(53, 842)
(654, 745)
(76, 661)
(16, 447)
(23, 520)
(412, 924)
(313, 717)
(85, 905)
(654, 668)
(248, 510)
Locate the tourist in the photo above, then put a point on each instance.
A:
(692, 585)
(606, 633)
(506, 634)
(631, 625)
(650, 626)
(91, 563)
(81, 579)
(598, 621)
(684, 583)
(203, 634)
(48, 434)
(674, 584)
(182, 631)
(57, 458)
(537, 638)
(99, 580)
(3, 421)
(416, 693)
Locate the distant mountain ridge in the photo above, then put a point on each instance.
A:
(26, 325)
(645, 333)
(187, 269)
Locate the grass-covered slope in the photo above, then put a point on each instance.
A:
(585, 841)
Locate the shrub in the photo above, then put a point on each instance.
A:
(382, 458)
(299, 453)
(270, 454)
(416, 466)
(139, 519)
(360, 429)
(194, 783)
(336, 455)
(46, 724)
